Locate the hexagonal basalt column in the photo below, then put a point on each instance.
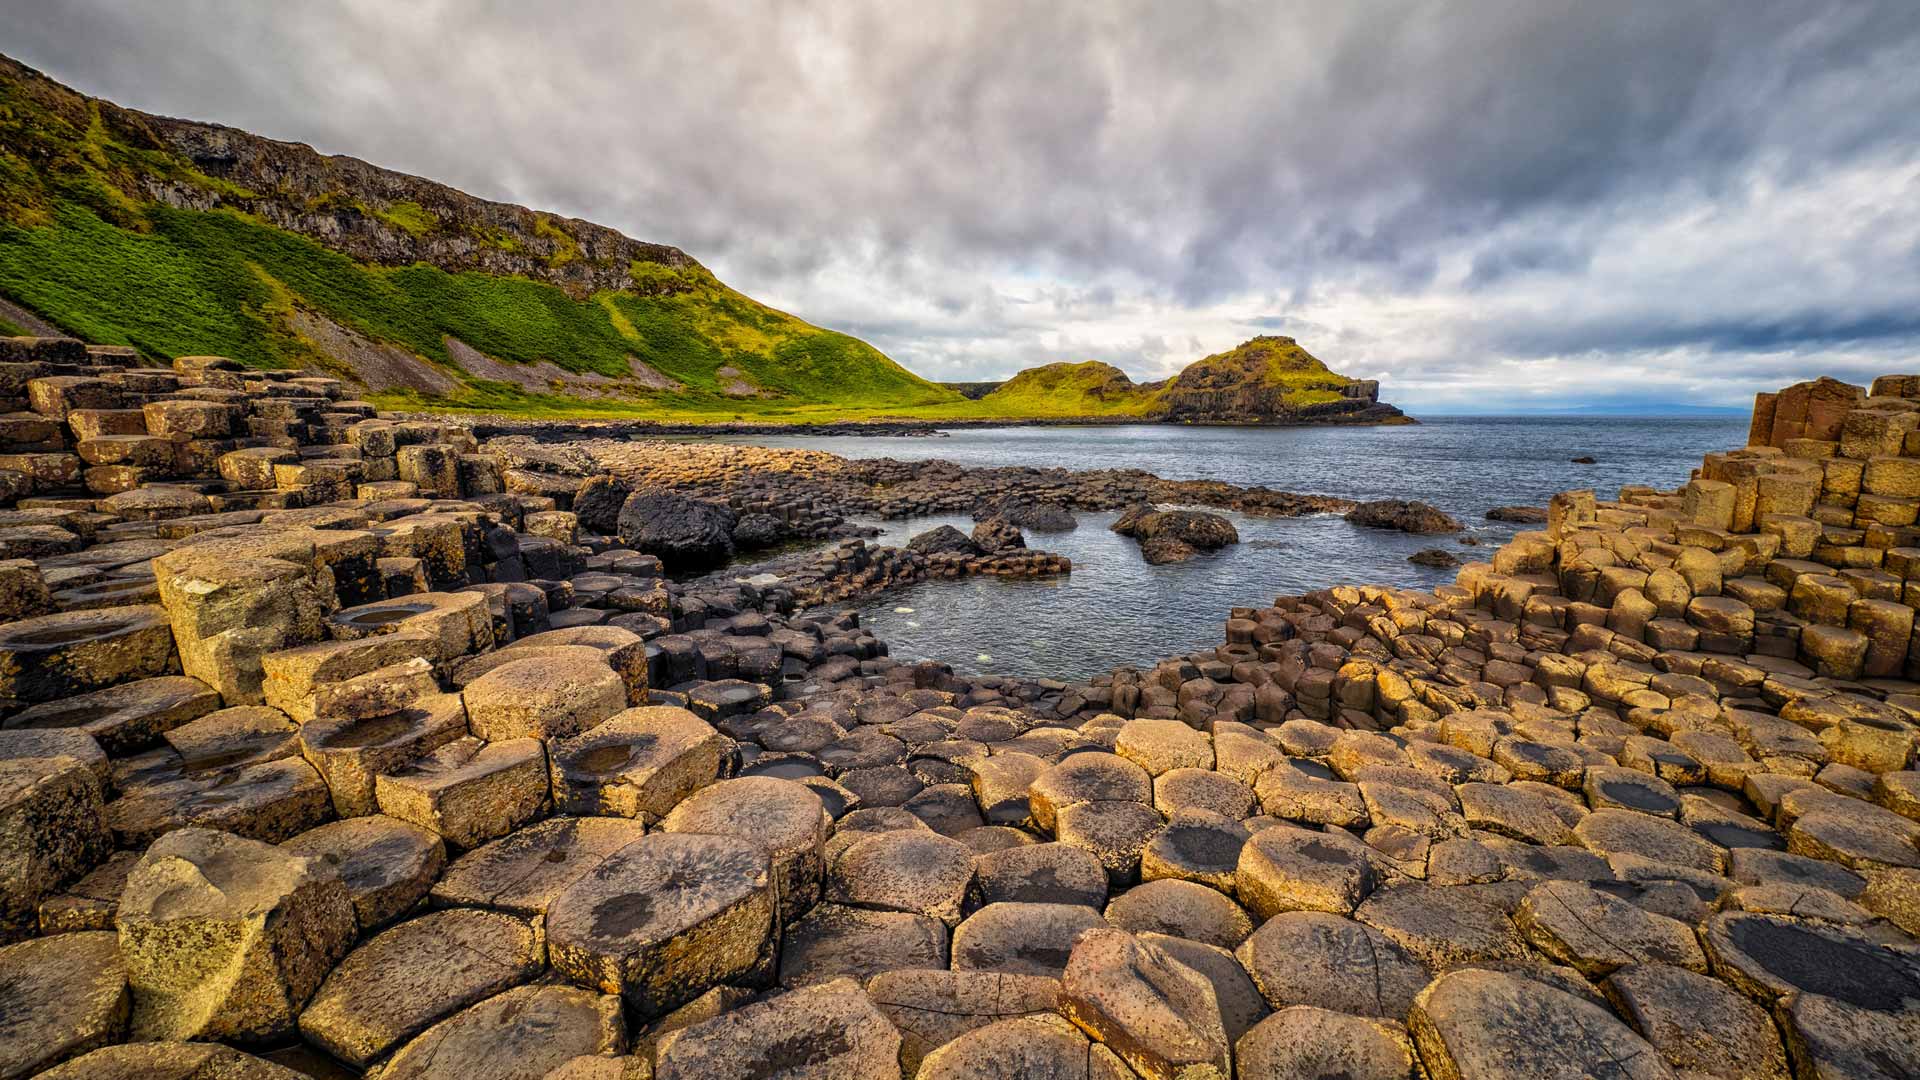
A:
(227, 938)
(640, 763)
(71, 652)
(782, 818)
(458, 623)
(665, 918)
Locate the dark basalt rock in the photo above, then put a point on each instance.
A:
(1584, 460)
(757, 531)
(1161, 550)
(684, 533)
(946, 538)
(1407, 516)
(1519, 515)
(1029, 514)
(1194, 528)
(998, 534)
(598, 501)
(1440, 558)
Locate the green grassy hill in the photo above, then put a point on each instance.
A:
(174, 237)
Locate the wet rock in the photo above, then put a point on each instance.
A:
(521, 1034)
(1403, 515)
(227, 938)
(664, 919)
(685, 533)
(833, 941)
(413, 975)
(1021, 938)
(1318, 1044)
(833, 1030)
(1157, 1014)
(1493, 1024)
(1041, 517)
(60, 997)
(1438, 558)
(1519, 515)
(997, 534)
(943, 540)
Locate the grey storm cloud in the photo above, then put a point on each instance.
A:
(1448, 196)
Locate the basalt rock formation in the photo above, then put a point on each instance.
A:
(334, 744)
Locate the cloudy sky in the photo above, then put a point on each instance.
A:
(1488, 205)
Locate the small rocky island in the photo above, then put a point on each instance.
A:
(341, 745)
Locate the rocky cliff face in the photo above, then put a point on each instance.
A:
(1271, 380)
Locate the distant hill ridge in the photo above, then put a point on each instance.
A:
(187, 238)
(181, 237)
(1266, 380)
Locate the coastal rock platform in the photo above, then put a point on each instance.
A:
(337, 745)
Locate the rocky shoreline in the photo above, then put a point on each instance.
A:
(347, 745)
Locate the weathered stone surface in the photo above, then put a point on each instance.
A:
(932, 1008)
(1492, 1024)
(1042, 874)
(1022, 1049)
(784, 819)
(521, 1034)
(169, 1061)
(52, 830)
(227, 938)
(1697, 1023)
(834, 941)
(665, 918)
(1157, 1014)
(1314, 958)
(547, 697)
(352, 753)
(60, 997)
(916, 872)
(387, 865)
(411, 976)
(1021, 938)
(469, 791)
(128, 717)
(828, 1032)
(639, 763)
(522, 872)
(1183, 909)
(1317, 1044)
(1768, 957)
(1581, 926)
(1286, 869)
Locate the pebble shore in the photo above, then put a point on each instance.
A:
(337, 744)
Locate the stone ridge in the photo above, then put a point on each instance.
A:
(353, 736)
(362, 210)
